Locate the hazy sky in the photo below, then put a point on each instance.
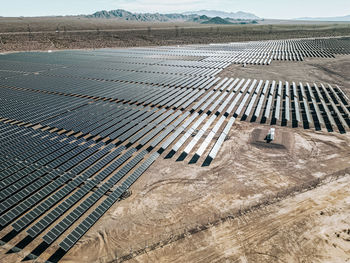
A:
(261, 8)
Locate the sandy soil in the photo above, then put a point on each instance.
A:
(311, 227)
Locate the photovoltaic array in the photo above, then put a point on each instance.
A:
(78, 128)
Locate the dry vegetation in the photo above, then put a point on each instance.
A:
(41, 24)
(73, 33)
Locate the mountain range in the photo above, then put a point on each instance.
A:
(200, 16)
(326, 19)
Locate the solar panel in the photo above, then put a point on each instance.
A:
(296, 103)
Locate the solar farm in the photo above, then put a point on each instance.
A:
(80, 127)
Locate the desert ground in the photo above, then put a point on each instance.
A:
(56, 33)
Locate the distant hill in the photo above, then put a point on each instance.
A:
(222, 14)
(143, 17)
(217, 20)
(326, 19)
(198, 19)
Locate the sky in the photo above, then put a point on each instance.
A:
(278, 9)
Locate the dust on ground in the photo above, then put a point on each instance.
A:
(310, 227)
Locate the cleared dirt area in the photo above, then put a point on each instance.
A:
(282, 141)
(311, 227)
